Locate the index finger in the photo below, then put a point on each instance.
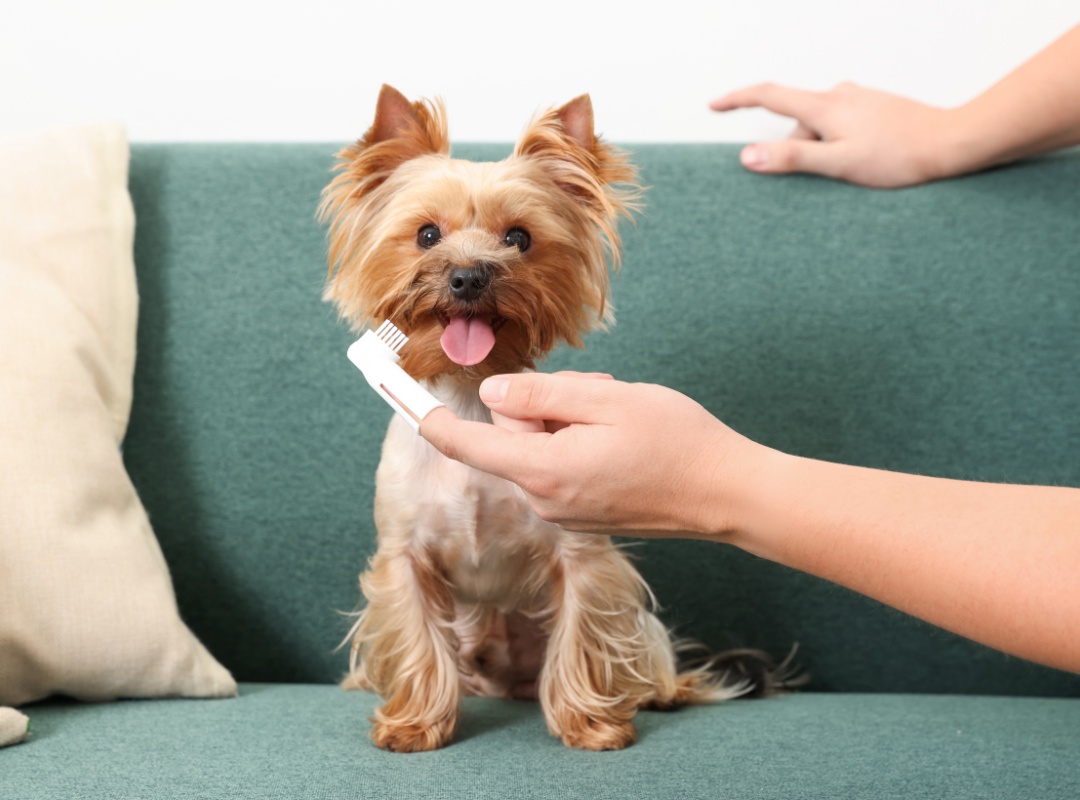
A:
(797, 103)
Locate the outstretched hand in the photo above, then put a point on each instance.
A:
(859, 135)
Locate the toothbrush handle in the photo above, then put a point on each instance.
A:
(408, 398)
(411, 400)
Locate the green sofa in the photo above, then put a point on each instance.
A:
(932, 330)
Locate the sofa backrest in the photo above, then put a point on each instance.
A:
(933, 330)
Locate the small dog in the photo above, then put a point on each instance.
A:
(486, 267)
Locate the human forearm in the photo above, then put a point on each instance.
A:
(999, 564)
(1032, 110)
(877, 139)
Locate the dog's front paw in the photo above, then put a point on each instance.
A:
(412, 737)
(589, 733)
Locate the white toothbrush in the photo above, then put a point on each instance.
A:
(376, 354)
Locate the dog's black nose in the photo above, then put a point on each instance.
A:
(468, 283)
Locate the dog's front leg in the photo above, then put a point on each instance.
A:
(601, 657)
(403, 648)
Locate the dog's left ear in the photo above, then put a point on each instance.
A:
(577, 120)
(402, 130)
(415, 128)
(557, 133)
(563, 142)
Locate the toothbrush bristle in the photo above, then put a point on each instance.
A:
(391, 336)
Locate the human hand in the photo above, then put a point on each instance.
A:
(859, 135)
(609, 457)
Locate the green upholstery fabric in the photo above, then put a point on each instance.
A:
(301, 741)
(934, 330)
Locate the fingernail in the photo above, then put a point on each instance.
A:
(493, 389)
(754, 156)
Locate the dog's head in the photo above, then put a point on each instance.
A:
(485, 266)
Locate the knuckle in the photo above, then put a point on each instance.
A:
(543, 485)
(447, 446)
(784, 156)
(766, 90)
(546, 513)
(449, 449)
(528, 396)
(550, 511)
(439, 435)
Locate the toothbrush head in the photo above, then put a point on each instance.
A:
(391, 336)
(384, 342)
(376, 354)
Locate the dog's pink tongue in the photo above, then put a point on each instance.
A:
(468, 340)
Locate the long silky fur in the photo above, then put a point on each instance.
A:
(456, 546)
(610, 653)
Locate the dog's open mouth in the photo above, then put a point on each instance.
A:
(468, 339)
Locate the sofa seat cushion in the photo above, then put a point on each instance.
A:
(301, 740)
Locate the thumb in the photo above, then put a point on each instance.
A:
(537, 396)
(794, 155)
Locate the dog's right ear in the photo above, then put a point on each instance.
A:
(409, 129)
(402, 131)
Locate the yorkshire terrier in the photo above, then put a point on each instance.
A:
(486, 267)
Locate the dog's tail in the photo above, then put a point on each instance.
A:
(743, 673)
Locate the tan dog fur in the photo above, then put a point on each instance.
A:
(469, 591)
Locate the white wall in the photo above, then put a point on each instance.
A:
(221, 70)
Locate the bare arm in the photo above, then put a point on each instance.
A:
(999, 564)
(878, 139)
(1032, 110)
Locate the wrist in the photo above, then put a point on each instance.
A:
(956, 143)
(968, 140)
(737, 493)
(946, 144)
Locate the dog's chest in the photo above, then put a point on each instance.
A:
(479, 528)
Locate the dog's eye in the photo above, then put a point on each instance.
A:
(519, 238)
(428, 236)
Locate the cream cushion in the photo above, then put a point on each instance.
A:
(13, 726)
(86, 602)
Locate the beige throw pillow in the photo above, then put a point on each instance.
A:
(14, 727)
(86, 602)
